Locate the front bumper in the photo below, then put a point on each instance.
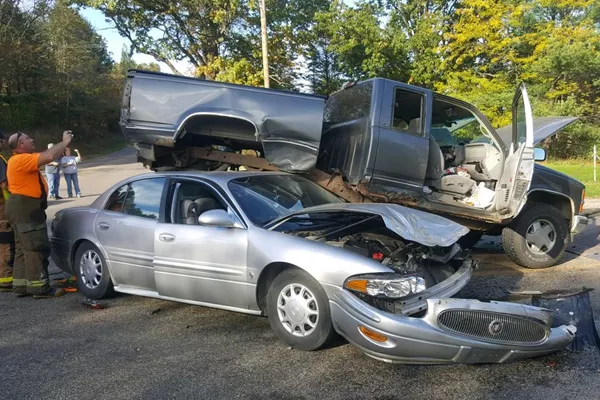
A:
(578, 224)
(424, 340)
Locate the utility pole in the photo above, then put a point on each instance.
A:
(265, 51)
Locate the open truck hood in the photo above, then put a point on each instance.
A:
(543, 128)
(413, 225)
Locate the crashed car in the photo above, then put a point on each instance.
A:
(274, 244)
(389, 141)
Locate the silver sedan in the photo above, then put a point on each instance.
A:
(279, 245)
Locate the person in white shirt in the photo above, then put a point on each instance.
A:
(69, 167)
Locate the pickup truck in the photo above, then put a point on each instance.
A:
(373, 141)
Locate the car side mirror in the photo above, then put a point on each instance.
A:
(539, 154)
(216, 218)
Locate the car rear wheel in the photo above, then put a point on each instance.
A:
(298, 310)
(538, 238)
(91, 271)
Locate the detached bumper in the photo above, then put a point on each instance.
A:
(452, 331)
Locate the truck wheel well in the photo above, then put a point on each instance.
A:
(219, 130)
(562, 203)
(264, 281)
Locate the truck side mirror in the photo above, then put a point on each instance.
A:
(539, 154)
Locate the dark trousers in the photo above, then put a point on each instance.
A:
(6, 249)
(27, 216)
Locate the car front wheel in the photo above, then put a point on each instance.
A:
(538, 238)
(91, 271)
(298, 310)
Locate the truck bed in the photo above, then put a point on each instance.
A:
(175, 111)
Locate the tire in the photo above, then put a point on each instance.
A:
(470, 239)
(555, 237)
(280, 291)
(93, 279)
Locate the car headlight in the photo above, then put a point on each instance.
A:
(391, 286)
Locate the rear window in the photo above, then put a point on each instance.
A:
(349, 104)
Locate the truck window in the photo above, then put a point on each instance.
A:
(408, 112)
(455, 121)
(349, 104)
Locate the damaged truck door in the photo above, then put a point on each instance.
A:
(518, 168)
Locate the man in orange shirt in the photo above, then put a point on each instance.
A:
(26, 212)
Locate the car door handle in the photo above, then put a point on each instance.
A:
(166, 237)
(103, 226)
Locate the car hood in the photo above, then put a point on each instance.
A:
(543, 128)
(413, 225)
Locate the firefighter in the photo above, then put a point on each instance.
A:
(26, 212)
(6, 234)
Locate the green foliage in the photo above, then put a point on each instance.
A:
(56, 68)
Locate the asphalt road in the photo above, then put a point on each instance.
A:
(139, 348)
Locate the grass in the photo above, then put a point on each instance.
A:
(582, 170)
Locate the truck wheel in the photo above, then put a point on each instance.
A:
(538, 238)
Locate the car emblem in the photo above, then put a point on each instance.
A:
(495, 327)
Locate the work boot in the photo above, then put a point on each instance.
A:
(49, 294)
(4, 288)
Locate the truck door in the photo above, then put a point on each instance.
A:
(403, 145)
(518, 167)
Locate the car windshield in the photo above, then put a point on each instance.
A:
(264, 198)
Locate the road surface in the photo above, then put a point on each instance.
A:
(139, 348)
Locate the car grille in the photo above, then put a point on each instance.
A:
(493, 327)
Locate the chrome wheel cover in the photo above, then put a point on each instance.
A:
(90, 269)
(298, 310)
(541, 236)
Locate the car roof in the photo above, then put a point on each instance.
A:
(220, 177)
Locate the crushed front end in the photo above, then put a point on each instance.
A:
(448, 331)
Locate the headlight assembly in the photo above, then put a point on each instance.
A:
(390, 286)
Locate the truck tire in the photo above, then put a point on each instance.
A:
(537, 238)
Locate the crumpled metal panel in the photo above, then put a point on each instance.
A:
(410, 224)
(288, 124)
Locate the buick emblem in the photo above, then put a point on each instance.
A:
(495, 327)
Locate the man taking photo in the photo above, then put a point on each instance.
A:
(26, 212)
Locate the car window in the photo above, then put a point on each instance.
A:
(143, 198)
(190, 200)
(116, 199)
(264, 198)
(408, 112)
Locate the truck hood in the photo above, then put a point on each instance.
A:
(413, 225)
(543, 128)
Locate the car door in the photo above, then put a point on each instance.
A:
(518, 167)
(205, 264)
(125, 229)
(403, 140)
